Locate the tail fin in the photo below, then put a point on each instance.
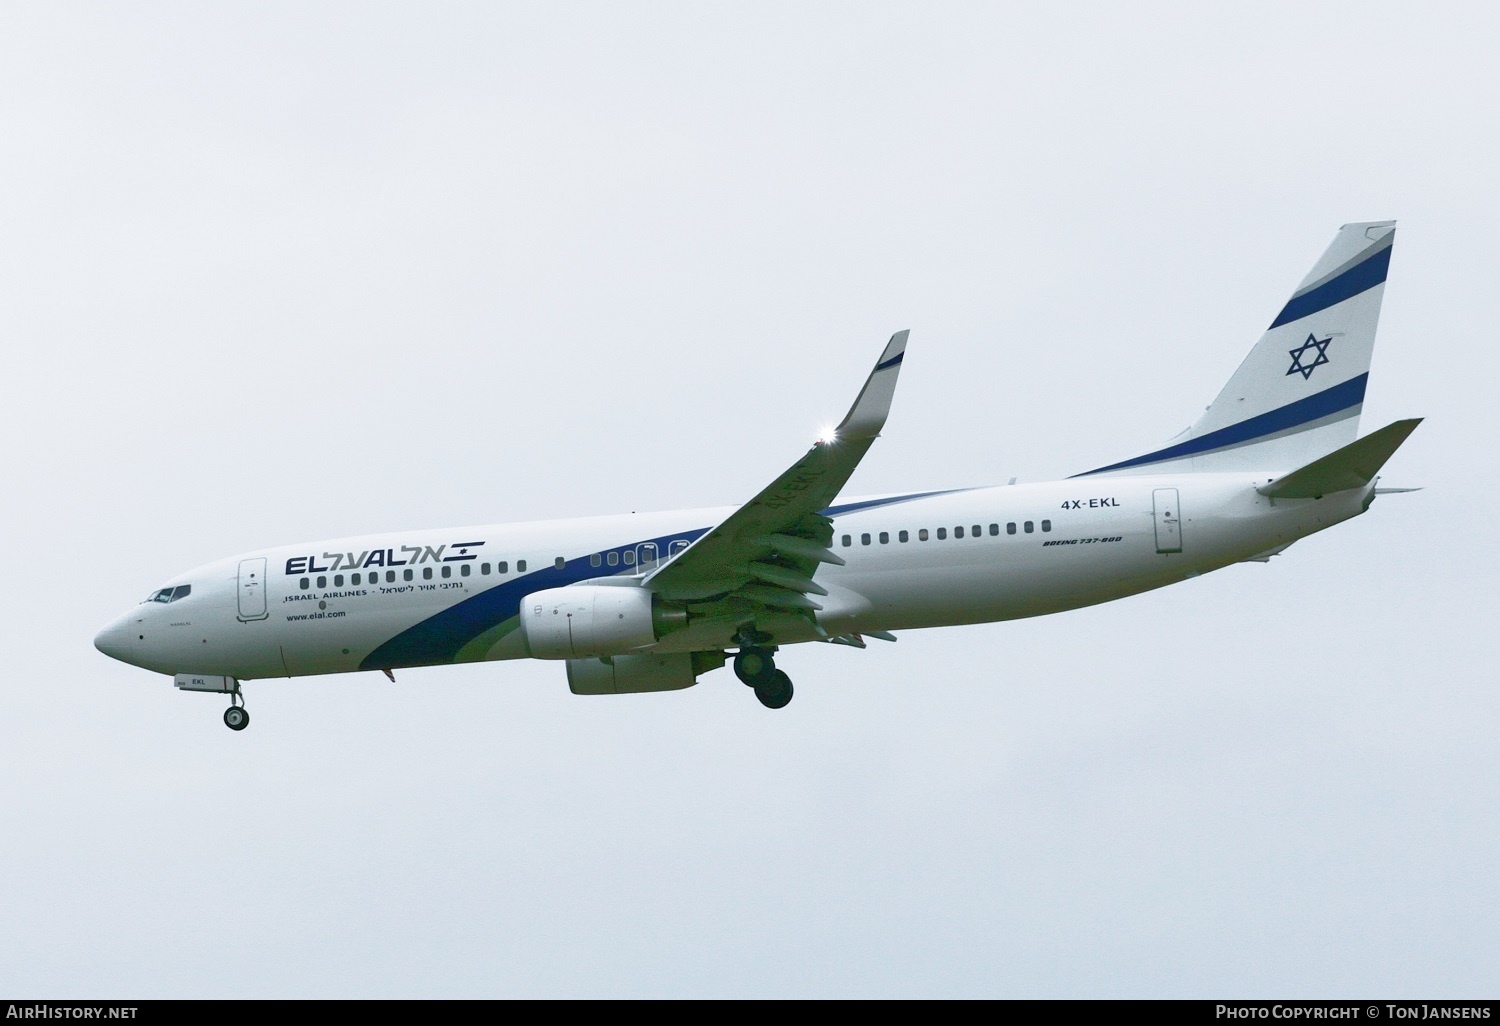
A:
(1298, 394)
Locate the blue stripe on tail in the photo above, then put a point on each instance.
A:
(1304, 411)
(1360, 278)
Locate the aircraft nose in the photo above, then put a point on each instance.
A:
(111, 641)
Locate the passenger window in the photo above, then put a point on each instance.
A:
(595, 559)
(977, 531)
(612, 558)
(942, 533)
(406, 574)
(447, 571)
(322, 582)
(864, 539)
(1046, 525)
(958, 532)
(303, 583)
(465, 570)
(847, 541)
(1030, 527)
(484, 568)
(1010, 528)
(502, 567)
(994, 529)
(520, 566)
(354, 579)
(885, 537)
(559, 562)
(427, 573)
(390, 577)
(338, 580)
(922, 534)
(630, 557)
(903, 536)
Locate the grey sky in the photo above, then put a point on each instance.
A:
(281, 272)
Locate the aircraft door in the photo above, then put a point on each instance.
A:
(252, 589)
(1168, 516)
(645, 557)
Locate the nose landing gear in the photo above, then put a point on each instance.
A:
(235, 717)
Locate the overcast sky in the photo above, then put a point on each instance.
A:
(282, 272)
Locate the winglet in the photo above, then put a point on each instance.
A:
(1353, 466)
(867, 416)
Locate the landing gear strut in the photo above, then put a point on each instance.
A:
(235, 717)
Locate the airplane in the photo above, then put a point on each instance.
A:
(652, 602)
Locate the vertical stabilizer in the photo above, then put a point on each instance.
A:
(1299, 393)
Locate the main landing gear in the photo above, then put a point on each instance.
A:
(235, 717)
(756, 667)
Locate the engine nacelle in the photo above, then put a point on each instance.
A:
(587, 620)
(631, 674)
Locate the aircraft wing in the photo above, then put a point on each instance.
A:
(769, 548)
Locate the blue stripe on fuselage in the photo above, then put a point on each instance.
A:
(440, 637)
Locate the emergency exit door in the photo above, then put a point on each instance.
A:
(252, 589)
(1168, 520)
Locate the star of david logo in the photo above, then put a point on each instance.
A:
(1300, 364)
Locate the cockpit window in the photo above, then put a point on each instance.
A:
(170, 594)
(181, 591)
(165, 595)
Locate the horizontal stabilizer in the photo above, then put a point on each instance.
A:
(1353, 466)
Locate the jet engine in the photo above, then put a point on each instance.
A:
(594, 620)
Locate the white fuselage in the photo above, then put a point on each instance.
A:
(936, 559)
